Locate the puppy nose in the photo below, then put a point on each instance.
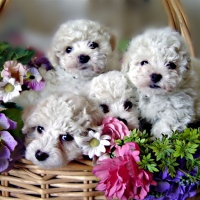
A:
(123, 120)
(156, 77)
(41, 156)
(84, 58)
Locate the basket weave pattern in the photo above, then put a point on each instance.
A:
(27, 181)
(76, 181)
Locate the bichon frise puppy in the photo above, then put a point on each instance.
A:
(83, 49)
(80, 50)
(159, 65)
(52, 127)
(116, 97)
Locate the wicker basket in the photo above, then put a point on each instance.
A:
(76, 181)
(29, 182)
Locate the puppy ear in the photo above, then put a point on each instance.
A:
(113, 37)
(113, 41)
(125, 63)
(26, 115)
(52, 57)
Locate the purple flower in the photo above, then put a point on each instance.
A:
(33, 79)
(10, 149)
(6, 123)
(7, 145)
(168, 188)
(41, 62)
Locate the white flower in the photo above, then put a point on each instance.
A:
(9, 89)
(94, 143)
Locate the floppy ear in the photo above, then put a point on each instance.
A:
(113, 41)
(26, 119)
(125, 63)
(113, 36)
(51, 54)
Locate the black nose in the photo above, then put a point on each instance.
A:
(84, 59)
(156, 77)
(123, 120)
(41, 156)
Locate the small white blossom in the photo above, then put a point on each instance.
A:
(94, 143)
(9, 89)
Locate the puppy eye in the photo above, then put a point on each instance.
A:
(128, 105)
(68, 49)
(144, 62)
(104, 108)
(40, 129)
(171, 65)
(66, 137)
(93, 45)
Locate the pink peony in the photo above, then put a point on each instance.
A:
(121, 176)
(13, 69)
(115, 128)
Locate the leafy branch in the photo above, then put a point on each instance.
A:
(178, 152)
(7, 52)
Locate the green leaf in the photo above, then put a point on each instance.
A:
(23, 56)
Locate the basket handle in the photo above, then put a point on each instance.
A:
(178, 21)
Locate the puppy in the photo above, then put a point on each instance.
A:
(53, 126)
(116, 97)
(80, 50)
(83, 49)
(158, 64)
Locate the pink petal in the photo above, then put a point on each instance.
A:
(5, 73)
(8, 139)
(107, 120)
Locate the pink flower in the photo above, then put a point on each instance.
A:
(121, 177)
(115, 128)
(13, 69)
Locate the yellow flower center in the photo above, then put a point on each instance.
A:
(94, 142)
(9, 88)
(28, 74)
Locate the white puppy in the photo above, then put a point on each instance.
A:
(80, 50)
(53, 126)
(159, 66)
(116, 97)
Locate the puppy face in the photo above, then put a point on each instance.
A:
(53, 126)
(157, 62)
(82, 47)
(115, 97)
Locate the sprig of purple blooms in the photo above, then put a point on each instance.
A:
(180, 187)
(33, 80)
(11, 149)
(177, 188)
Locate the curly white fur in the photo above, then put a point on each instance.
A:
(80, 50)
(116, 97)
(53, 126)
(158, 64)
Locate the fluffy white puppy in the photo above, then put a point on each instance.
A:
(158, 64)
(80, 50)
(53, 126)
(83, 49)
(116, 97)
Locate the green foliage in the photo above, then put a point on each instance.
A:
(123, 45)
(7, 52)
(160, 154)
